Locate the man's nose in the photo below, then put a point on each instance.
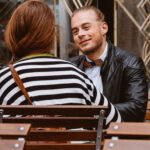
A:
(81, 33)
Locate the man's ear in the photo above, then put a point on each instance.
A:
(104, 28)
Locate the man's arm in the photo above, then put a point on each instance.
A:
(135, 92)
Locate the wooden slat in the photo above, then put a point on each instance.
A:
(59, 146)
(126, 145)
(129, 129)
(68, 122)
(148, 105)
(10, 145)
(147, 115)
(13, 129)
(67, 110)
(81, 135)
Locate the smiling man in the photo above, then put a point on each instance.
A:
(120, 75)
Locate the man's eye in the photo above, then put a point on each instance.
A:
(86, 28)
(74, 32)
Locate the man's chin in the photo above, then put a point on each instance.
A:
(87, 51)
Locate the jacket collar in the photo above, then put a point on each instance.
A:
(110, 54)
(80, 62)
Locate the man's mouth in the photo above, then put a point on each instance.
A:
(84, 42)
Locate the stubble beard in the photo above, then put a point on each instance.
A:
(92, 50)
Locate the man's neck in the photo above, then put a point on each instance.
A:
(95, 55)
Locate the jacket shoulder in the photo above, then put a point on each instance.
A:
(77, 61)
(129, 59)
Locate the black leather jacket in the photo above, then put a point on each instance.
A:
(124, 82)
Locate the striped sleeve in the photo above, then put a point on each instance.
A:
(112, 115)
(97, 98)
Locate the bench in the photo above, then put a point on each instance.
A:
(128, 136)
(61, 118)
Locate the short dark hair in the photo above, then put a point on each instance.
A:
(98, 12)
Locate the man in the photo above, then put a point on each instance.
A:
(121, 76)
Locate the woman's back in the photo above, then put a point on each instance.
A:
(48, 81)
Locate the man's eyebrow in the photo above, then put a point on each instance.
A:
(74, 28)
(87, 23)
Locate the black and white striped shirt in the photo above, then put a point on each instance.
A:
(52, 81)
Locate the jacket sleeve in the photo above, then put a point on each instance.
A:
(134, 95)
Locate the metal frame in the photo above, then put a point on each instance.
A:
(144, 28)
(99, 130)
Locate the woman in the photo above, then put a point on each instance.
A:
(48, 80)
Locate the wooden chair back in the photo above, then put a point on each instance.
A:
(52, 125)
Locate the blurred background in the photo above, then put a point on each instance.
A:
(128, 20)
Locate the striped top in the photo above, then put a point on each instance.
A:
(52, 81)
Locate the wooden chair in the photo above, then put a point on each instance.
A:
(128, 136)
(147, 115)
(61, 119)
(129, 129)
(12, 136)
(14, 130)
(12, 144)
(126, 144)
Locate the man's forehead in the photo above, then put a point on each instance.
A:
(84, 12)
(83, 17)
